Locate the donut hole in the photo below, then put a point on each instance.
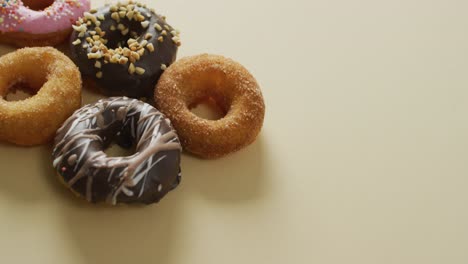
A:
(23, 87)
(20, 91)
(208, 108)
(117, 150)
(25, 79)
(116, 40)
(38, 5)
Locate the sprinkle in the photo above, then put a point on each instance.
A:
(98, 64)
(76, 42)
(72, 159)
(160, 39)
(99, 75)
(163, 67)
(158, 27)
(148, 35)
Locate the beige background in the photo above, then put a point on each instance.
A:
(362, 159)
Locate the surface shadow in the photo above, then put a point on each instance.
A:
(27, 172)
(239, 177)
(50, 175)
(122, 234)
(100, 233)
(6, 49)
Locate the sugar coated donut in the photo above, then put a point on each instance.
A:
(57, 84)
(123, 48)
(144, 177)
(38, 22)
(192, 80)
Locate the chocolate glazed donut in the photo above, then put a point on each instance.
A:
(144, 177)
(123, 48)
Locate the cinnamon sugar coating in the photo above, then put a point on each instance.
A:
(56, 80)
(194, 79)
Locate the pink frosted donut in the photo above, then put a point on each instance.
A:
(39, 22)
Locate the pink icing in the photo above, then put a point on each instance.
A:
(15, 17)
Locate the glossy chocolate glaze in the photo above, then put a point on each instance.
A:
(144, 177)
(114, 78)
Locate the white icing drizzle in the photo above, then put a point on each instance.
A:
(130, 171)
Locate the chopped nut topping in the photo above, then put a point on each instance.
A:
(145, 24)
(150, 47)
(94, 55)
(139, 71)
(131, 68)
(158, 27)
(115, 16)
(135, 46)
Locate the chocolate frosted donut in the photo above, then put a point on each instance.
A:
(124, 48)
(144, 177)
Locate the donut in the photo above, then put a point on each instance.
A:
(38, 22)
(142, 178)
(56, 83)
(122, 49)
(196, 79)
